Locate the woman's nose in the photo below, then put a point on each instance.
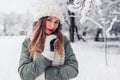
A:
(52, 25)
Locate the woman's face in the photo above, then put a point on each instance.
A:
(52, 24)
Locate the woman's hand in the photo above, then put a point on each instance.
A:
(48, 51)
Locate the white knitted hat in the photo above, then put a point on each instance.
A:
(48, 8)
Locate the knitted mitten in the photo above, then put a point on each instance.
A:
(48, 51)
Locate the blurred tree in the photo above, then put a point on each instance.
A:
(71, 27)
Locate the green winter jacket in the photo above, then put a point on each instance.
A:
(29, 69)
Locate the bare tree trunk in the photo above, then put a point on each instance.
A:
(77, 34)
(99, 31)
(72, 24)
(71, 29)
(5, 26)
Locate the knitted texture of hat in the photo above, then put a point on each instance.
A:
(48, 8)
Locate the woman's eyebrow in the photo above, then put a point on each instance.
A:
(50, 17)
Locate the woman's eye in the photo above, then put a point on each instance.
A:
(48, 19)
(57, 22)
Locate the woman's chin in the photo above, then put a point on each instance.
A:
(48, 33)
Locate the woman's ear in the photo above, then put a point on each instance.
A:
(60, 26)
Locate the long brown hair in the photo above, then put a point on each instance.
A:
(38, 38)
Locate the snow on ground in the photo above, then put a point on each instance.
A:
(91, 60)
(10, 52)
(92, 65)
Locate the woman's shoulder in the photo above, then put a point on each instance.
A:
(26, 41)
(66, 39)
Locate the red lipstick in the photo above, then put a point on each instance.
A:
(50, 30)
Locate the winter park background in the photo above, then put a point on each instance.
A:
(98, 59)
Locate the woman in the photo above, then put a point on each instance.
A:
(47, 54)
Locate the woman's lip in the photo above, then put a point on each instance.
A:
(50, 29)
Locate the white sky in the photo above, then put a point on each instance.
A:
(18, 6)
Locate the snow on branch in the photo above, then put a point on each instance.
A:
(115, 12)
(75, 6)
(113, 2)
(83, 7)
(97, 2)
(87, 8)
(111, 25)
(99, 25)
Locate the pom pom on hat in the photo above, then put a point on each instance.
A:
(47, 8)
